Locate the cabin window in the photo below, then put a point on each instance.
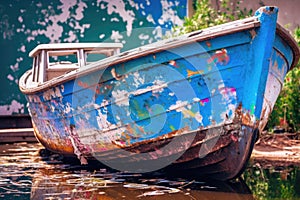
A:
(55, 61)
(60, 62)
(59, 58)
(35, 69)
(38, 66)
(93, 56)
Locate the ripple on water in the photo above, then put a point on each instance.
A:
(27, 171)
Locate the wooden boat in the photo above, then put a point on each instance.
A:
(196, 102)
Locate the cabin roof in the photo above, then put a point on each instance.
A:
(74, 46)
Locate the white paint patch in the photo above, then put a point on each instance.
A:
(10, 77)
(20, 19)
(81, 27)
(14, 107)
(157, 32)
(196, 99)
(228, 94)
(137, 79)
(72, 37)
(118, 6)
(114, 19)
(159, 82)
(179, 105)
(19, 59)
(102, 120)
(33, 98)
(68, 108)
(101, 36)
(169, 14)
(121, 97)
(6, 28)
(150, 19)
(116, 36)
(134, 5)
(15, 67)
(80, 9)
(54, 30)
(230, 108)
(144, 37)
(52, 93)
(142, 6)
(198, 117)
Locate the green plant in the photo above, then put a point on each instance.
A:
(206, 15)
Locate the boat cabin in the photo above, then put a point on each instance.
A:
(53, 60)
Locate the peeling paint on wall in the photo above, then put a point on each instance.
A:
(25, 24)
(13, 108)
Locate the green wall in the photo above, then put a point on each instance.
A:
(25, 24)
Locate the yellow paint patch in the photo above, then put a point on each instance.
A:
(192, 73)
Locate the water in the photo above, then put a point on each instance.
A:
(27, 171)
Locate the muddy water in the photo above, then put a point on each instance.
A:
(27, 171)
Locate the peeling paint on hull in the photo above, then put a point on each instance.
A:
(176, 104)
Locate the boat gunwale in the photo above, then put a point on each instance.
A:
(286, 36)
(196, 36)
(88, 46)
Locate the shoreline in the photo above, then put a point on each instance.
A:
(277, 150)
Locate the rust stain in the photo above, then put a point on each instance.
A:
(208, 44)
(244, 117)
(170, 135)
(83, 84)
(173, 63)
(220, 57)
(101, 89)
(115, 75)
(253, 33)
(64, 147)
(79, 149)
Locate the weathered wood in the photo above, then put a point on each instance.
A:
(197, 101)
(17, 135)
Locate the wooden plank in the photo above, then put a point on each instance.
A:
(69, 46)
(17, 135)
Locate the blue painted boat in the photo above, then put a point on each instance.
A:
(196, 102)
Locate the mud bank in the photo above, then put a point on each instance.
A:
(277, 149)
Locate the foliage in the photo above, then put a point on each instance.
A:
(206, 15)
(288, 102)
(272, 183)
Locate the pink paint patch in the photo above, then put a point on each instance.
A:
(227, 90)
(234, 138)
(203, 101)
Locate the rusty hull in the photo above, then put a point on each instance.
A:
(220, 152)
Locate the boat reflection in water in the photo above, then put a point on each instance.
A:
(28, 171)
(83, 184)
